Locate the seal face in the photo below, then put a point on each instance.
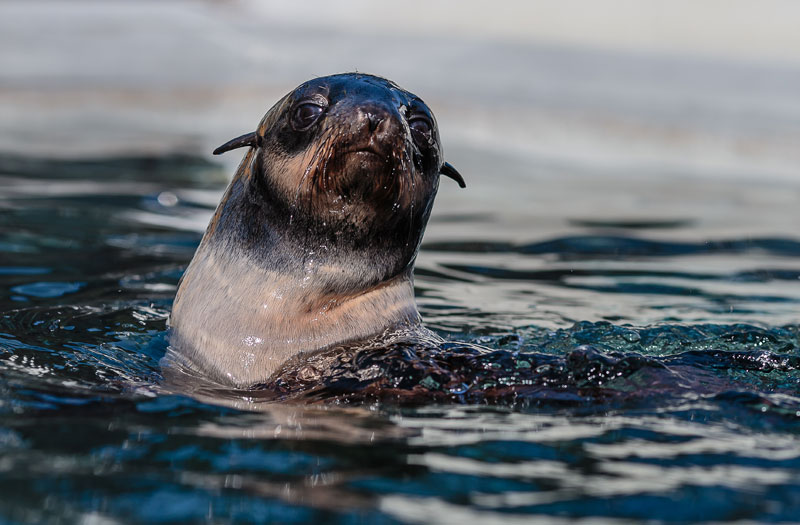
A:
(314, 241)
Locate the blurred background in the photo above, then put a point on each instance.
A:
(632, 173)
(660, 120)
(689, 88)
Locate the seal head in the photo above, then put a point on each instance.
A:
(314, 242)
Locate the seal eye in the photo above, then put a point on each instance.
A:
(421, 131)
(306, 115)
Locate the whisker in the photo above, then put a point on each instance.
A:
(309, 167)
(325, 174)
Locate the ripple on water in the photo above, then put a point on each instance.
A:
(682, 405)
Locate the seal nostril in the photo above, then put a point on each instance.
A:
(374, 121)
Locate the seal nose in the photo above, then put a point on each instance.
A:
(374, 120)
(381, 121)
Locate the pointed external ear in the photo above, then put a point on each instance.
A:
(248, 139)
(449, 171)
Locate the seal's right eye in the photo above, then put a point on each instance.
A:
(306, 115)
(421, 131)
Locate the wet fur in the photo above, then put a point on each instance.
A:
(312, 245)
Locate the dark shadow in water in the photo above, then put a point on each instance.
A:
(174, 169)
(605, 246)
(639, 224)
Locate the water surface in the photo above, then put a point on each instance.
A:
(626, 252)
(640, 367)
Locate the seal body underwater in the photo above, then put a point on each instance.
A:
(314, 242)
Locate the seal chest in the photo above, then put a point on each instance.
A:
(313, 244)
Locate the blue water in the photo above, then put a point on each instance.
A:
(636, 371)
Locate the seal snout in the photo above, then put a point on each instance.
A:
(378, 129)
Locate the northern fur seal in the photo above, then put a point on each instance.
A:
(314, 242)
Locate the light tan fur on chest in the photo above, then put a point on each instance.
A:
(242, 321)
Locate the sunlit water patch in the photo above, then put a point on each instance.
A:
(617, 371)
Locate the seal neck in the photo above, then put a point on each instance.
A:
(237, 322)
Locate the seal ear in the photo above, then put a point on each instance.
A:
(248, 139)
(449, 171)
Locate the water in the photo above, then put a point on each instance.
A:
(639, 368)
(626, 251)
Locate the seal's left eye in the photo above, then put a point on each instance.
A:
(421, 131)
(305, 115)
